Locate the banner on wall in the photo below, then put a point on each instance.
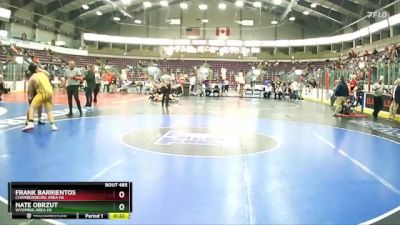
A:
(387, 99)
(39, 46)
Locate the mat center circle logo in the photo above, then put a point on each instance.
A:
(199, 141)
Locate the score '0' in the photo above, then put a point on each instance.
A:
(121, 194)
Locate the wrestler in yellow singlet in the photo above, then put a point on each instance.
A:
(39, 83)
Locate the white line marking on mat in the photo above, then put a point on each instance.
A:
(381, 217)
(105, 170)
(247, 183)
(361, 166)
(3, 200)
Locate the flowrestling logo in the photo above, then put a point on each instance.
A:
(378, 14)
(191, 138)
(386, 129)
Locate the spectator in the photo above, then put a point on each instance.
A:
(140, 85)
(353, 83)
(24, 36)
(341, 93)
(268, 91)
(192, 84)
(360, 91)
(226, 86)
(108, 81)
(295, 87)
(166, 89)
(241, 82)
(279, 91)
(394, 105)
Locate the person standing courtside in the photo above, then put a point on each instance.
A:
(378, 88)
(90, 85)
(73, 77)
(166, 89)
(97, 87)
(1, 85)
(242, 82)
(341, 93)
(395, 101)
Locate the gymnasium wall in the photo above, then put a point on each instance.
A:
(44, 32)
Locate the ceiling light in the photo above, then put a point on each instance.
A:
(126, 2)
(99, 13)
(277, 2)
(314, 5)
(292, 18)
(239, 3)
(306, 12)
(183, 5)
(164, 3)
(222, 6)
(274, 22)
(85, 7)
(147, 4)
(257, 4)
(138, 21)
(116, 18)
(203, 7)
(204, 21)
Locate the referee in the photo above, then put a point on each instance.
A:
(73, 77)
(378, 89)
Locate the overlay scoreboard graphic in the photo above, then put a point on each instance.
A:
(70, 200)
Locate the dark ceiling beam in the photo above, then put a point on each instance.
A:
(336, 6)
(36, 18)
(74, 14)
(346, 6)
(302, 8)
(56, 4)
(321, 24)
(330, 13)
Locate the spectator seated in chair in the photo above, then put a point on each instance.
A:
(350, 105)
(125, 84)
(268, 91)
(208, 90)
(216, 90)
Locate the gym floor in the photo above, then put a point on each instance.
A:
(213, 160)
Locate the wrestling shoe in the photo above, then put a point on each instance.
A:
(28, 127)
(54, 127)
